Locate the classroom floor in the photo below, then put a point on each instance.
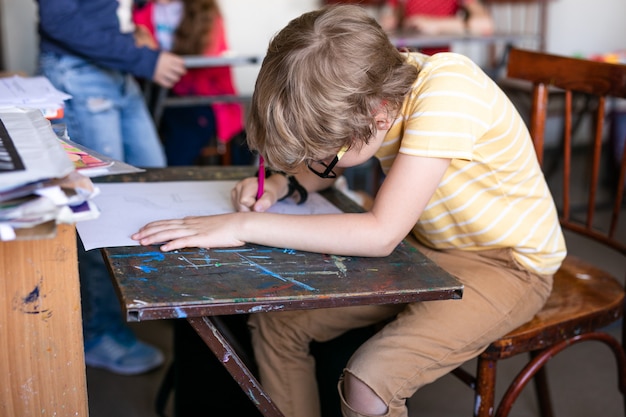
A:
(583, 379)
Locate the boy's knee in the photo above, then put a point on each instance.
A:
(358, 399)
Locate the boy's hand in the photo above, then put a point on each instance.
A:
(199, 231)
(243, 195)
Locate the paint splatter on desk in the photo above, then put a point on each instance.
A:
(199, 282)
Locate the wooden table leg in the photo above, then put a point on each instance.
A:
(208, 330)
(42, 362)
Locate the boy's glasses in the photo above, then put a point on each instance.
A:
(324, 170)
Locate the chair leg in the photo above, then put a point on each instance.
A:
(484, 398)
(542, 357)
(543, 391)
(622, 372)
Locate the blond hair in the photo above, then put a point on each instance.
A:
(325, 77)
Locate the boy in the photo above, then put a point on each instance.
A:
(462, 176)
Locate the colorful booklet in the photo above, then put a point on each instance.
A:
(84, 161)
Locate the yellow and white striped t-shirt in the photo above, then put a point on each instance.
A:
(494, 194)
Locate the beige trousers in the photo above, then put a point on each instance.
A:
(423, 342)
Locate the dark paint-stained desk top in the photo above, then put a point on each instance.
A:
(199, 282)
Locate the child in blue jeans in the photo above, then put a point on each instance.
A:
(461, 176)
(88, 50)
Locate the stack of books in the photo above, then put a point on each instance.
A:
(39, 184)
(44, 176)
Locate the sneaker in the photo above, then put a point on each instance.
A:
(132, 359)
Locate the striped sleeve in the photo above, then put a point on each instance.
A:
(494, 194)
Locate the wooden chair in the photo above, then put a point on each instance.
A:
(585, 298)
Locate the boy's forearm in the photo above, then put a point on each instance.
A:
(349, 234)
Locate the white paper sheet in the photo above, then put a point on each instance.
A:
(34, 92)
(126, 207)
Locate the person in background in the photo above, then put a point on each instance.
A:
(441, 17)
(462, 177)
(193, 27)
(87, 49)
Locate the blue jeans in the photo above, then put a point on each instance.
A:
(107, 111)
(100, 306)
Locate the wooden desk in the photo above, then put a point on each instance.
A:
(199, 284)
(42, 363)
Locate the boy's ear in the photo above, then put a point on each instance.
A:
(383, 123)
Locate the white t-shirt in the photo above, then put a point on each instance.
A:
(125, 16)
(166, 19)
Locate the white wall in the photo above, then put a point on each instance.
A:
(250, 24)
(19, 25)
(575, 27)
(586, 27)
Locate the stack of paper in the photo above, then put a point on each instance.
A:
(38, 182)
(32, 92)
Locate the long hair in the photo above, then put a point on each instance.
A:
(325, 77)
(195, 28)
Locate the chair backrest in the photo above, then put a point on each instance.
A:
(594, 211)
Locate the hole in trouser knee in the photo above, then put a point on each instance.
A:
(99, 104)
(348, 411)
